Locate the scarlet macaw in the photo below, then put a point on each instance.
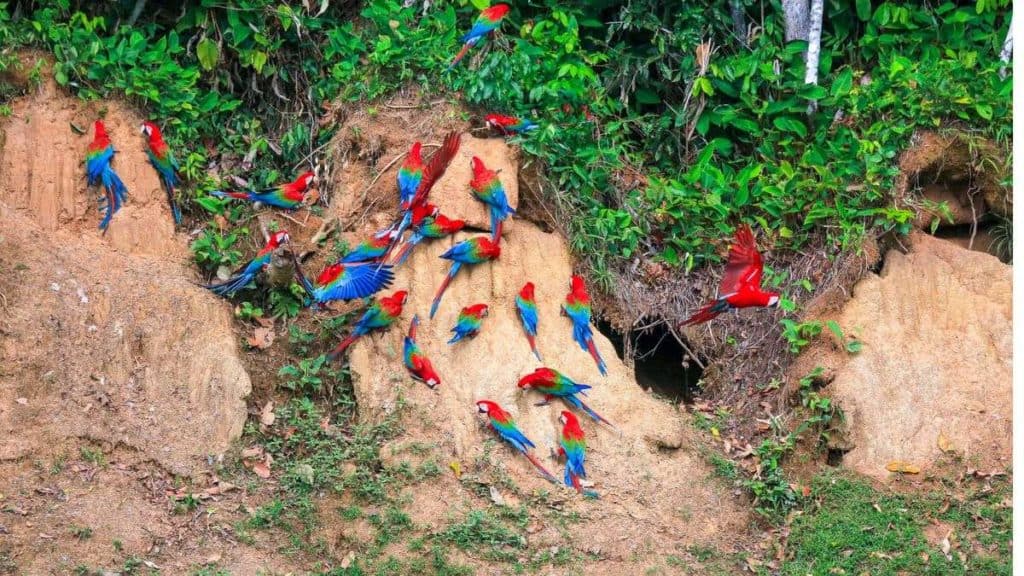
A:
(488, 189)
(574, 448)
(382, 313)
(416, 362)
(371, 250)
(469, 323)
(527, 307)
(741, 284)
(554, 384)
(161, 157)
(508, 125)
(501, 422)
(577, 308)
(98, 170)
(435, 226)
(473, 251)
(341, 281)
(288, 196)
(246, 274)
(486, 23)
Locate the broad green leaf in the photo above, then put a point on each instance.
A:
(480, 4)
(208, 53)
(843, 83)
(864, 10)
(788, 124)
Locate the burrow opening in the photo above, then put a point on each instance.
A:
(662, 365)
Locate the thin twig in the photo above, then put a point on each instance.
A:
(283, 215)
(682, 343)
(413, 106)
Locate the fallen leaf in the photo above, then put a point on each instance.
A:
(945, 546)
(902, 467)
(347, 560)
(262, 338)
(267, 414)
(944, 444)
(251, 453)
(22, 401)
(496, 496)
(456, 468)
(262, 469)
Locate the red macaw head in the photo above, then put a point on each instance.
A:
(488, 248)
(304, 180)
(576, 285)
(421, 211)
(278, 239)
(479, 169)
(478, 310)
(430, 377)
(449, 226)
(773, 299)
(496, 12)
(101, 130)
(416, 153)
(486, 406)
(150, 129)
(540, 376)
(400, 296)
(527, 292)
(568, 419)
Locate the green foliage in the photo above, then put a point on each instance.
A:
(799, 334)
(312, 376)
(857, 529)
(246, 311)
(213, 249)
(494, 533)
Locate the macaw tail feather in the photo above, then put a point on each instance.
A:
(106, 206)
(590, 494)
(175, 210)
(404, 252)
(540, 468)
(455, 338)
(340, 349)
(406, 221)
(222, 194)
(444, 286)
(706, 313)
(571, 479)
(462, 54)
(533, 346)
(300, 275)
(574, 401)
(229, 286)
(112, 182)
(413, 326)
(601, 366)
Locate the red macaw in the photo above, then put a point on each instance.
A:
(98, 170)
(488, 189)
(473, 251)
(527, 307)
(577, 308)
(161, 157)
(470, 321)
(501, 422)
(741, 284)
(554, 384)
(486, 23)
(370, 250)
(416, 362)
(288, 196)
(431, 226)
(382, 313)
(246, 274)
(508, 125)
(574, 448)
(341, 281)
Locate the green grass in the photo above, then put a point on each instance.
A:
(858, 529)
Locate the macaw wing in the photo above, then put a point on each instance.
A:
(745, 266)
(438, 164)
(480, 28)
(95, 165)
(512, 434)
(409, 178)
(358, 282)
(528, 314)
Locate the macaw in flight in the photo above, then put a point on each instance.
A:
(486, 23)
(288, 196)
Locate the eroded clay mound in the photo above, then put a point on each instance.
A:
(937, 332)
(647, 476)
(42, 171)
(103, 337)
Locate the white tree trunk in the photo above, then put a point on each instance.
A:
(795, 12)
(739, 21)
(814, 47)
(1007, 52)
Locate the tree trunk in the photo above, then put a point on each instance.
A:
(140, 5)
(796, 12)
(739, 21)
(814, 47)
(1007, 51)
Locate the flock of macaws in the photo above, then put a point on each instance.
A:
(368, 268)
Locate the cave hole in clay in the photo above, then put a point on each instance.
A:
(661, 364)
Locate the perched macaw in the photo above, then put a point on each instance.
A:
(416, 362)
(410, 175)
(288, 196)
(381, 314)
(509, 124)
(470, 321)
(428, 176)
(341, 281)
(161, 157)
(370, 250)
(741, 284)
(486, 23)
(98, 170)
(502, 423)
(433, 226)
(488, 189)
(577, 308)
(527, 307)
(241, 278)
(574, 448)
(554, 384)
(473, 251)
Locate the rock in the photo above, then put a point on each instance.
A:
(936, 362)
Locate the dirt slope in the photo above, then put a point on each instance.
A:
(653, 485)
(937, 331)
